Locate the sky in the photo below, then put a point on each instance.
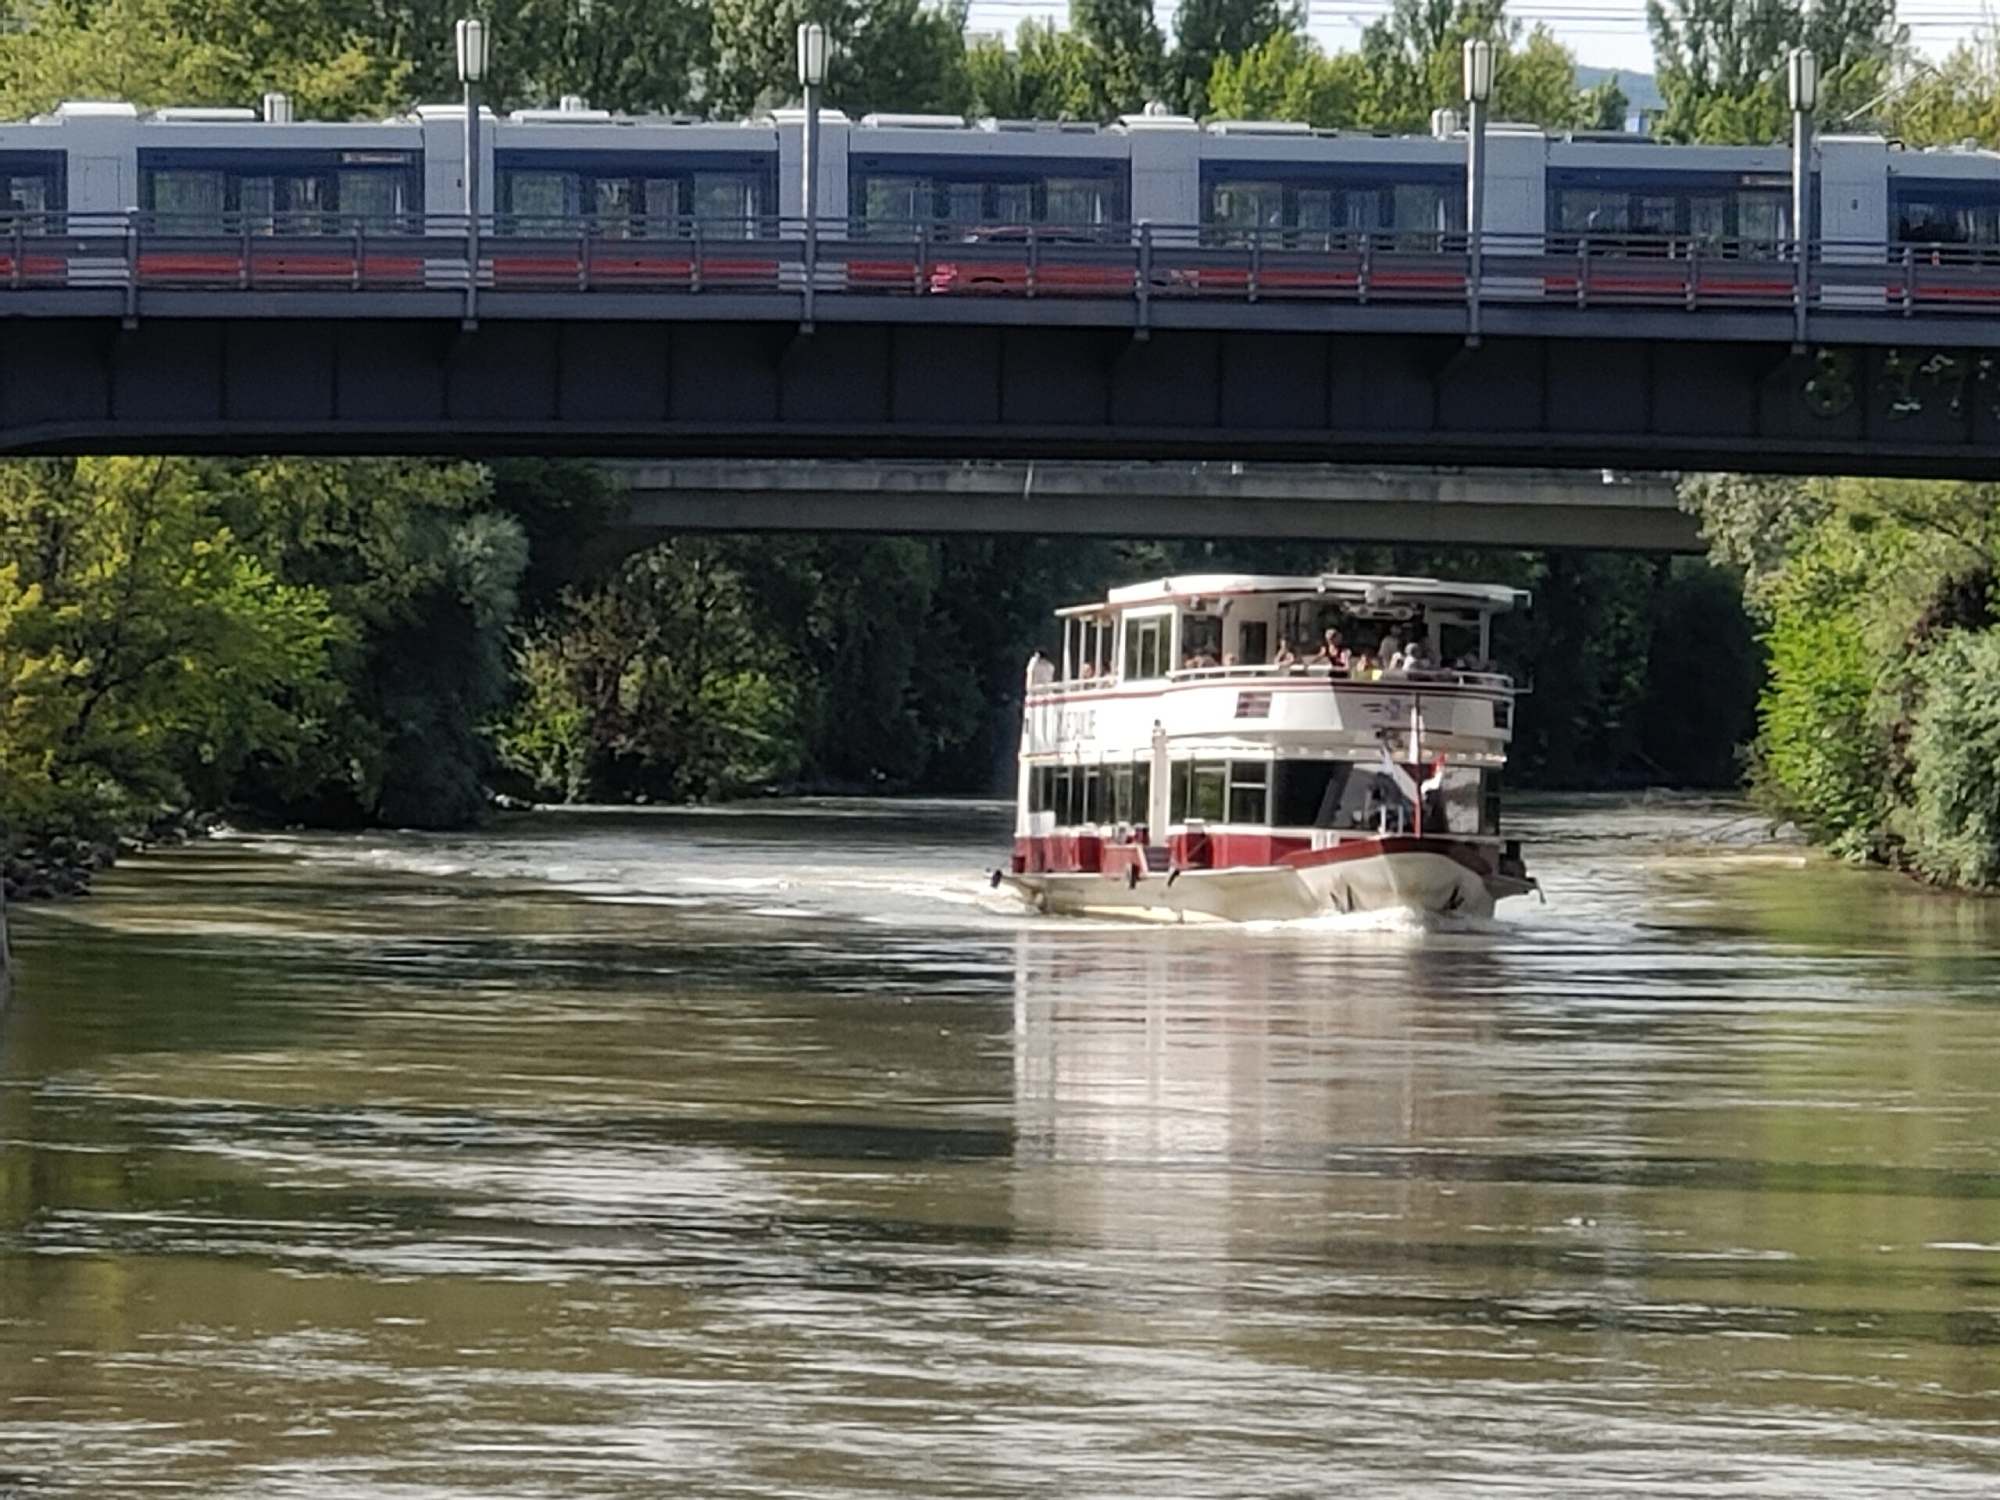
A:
(1603, 33)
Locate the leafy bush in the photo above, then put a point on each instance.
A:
(1954, 823)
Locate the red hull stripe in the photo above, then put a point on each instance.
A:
(1091, 854)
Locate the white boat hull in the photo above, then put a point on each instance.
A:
(1415, 880)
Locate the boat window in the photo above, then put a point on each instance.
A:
(1207, 798)
(1093, 794)
(1038, 789)
(1201, 641)
(1457, 806)
(1142, 791)
(1145, 648)
(1253, 642)
(1249, 788)
(1177, 790)
(1322, 794)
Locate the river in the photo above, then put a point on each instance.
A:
(767, 1152)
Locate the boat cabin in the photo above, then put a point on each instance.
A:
(1221, 719)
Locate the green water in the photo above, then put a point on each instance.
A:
(770, 1153)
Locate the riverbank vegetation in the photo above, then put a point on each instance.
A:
(387, 642)
(1879, 731)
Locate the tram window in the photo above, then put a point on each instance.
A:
(961, 205)
(1011, 203)
(1077, 200)
(188, 196)
(23, 193)
(726, 204)
(1708, 217)
(377, 197)
(1760, 219)
(540, 200)
(1249, 789)
(1145, 648)
(892, 206)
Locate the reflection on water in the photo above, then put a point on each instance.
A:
(767, 1152)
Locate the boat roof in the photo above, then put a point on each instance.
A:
(1362, 588)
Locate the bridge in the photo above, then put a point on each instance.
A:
(126, 337)
(1304, 502)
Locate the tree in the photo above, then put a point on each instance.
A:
(145, 652)
(1722, 68)
(886, 54)
(1954, 823)
(1288, 77)
(1046, 75)
(155, 52)
(1125, 64)
(1414, 63)
(1958, 100)
(1207, 31)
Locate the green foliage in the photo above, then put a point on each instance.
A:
(1288, 77)
(1862, 587)
(145, 652)
(1958, 100)
(1125, 56)
(664, 679)
(886, 54)
(1954, 822)
(1721, 63)
(1209, 31)
(1045, 76)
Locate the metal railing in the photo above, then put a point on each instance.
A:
(1264, 673)
(1144, 265)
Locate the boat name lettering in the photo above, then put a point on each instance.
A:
(1076, 723)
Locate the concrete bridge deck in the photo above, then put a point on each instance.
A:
(1313, 502)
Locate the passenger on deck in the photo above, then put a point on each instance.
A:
(1364, 667)
(1331, 652)
(1286, 656)
(1389, 648)
(1417, 656)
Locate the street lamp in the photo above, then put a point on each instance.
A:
(475, 45)
(1478, 94)
(812, 74)
(1802, 74)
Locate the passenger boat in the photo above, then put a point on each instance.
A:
(1253, 748)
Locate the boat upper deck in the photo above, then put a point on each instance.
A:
(1227, 626)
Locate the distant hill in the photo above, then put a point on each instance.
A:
(1639, 88)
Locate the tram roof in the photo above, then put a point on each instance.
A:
(1361, 588)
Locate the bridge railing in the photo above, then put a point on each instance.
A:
(1145, 265)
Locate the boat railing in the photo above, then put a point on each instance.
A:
(1493, 682)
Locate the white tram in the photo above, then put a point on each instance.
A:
(1256, 747)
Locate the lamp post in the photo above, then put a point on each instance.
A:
(1802, 72)
(812, 74)
(1478, 92)
(474, 48)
